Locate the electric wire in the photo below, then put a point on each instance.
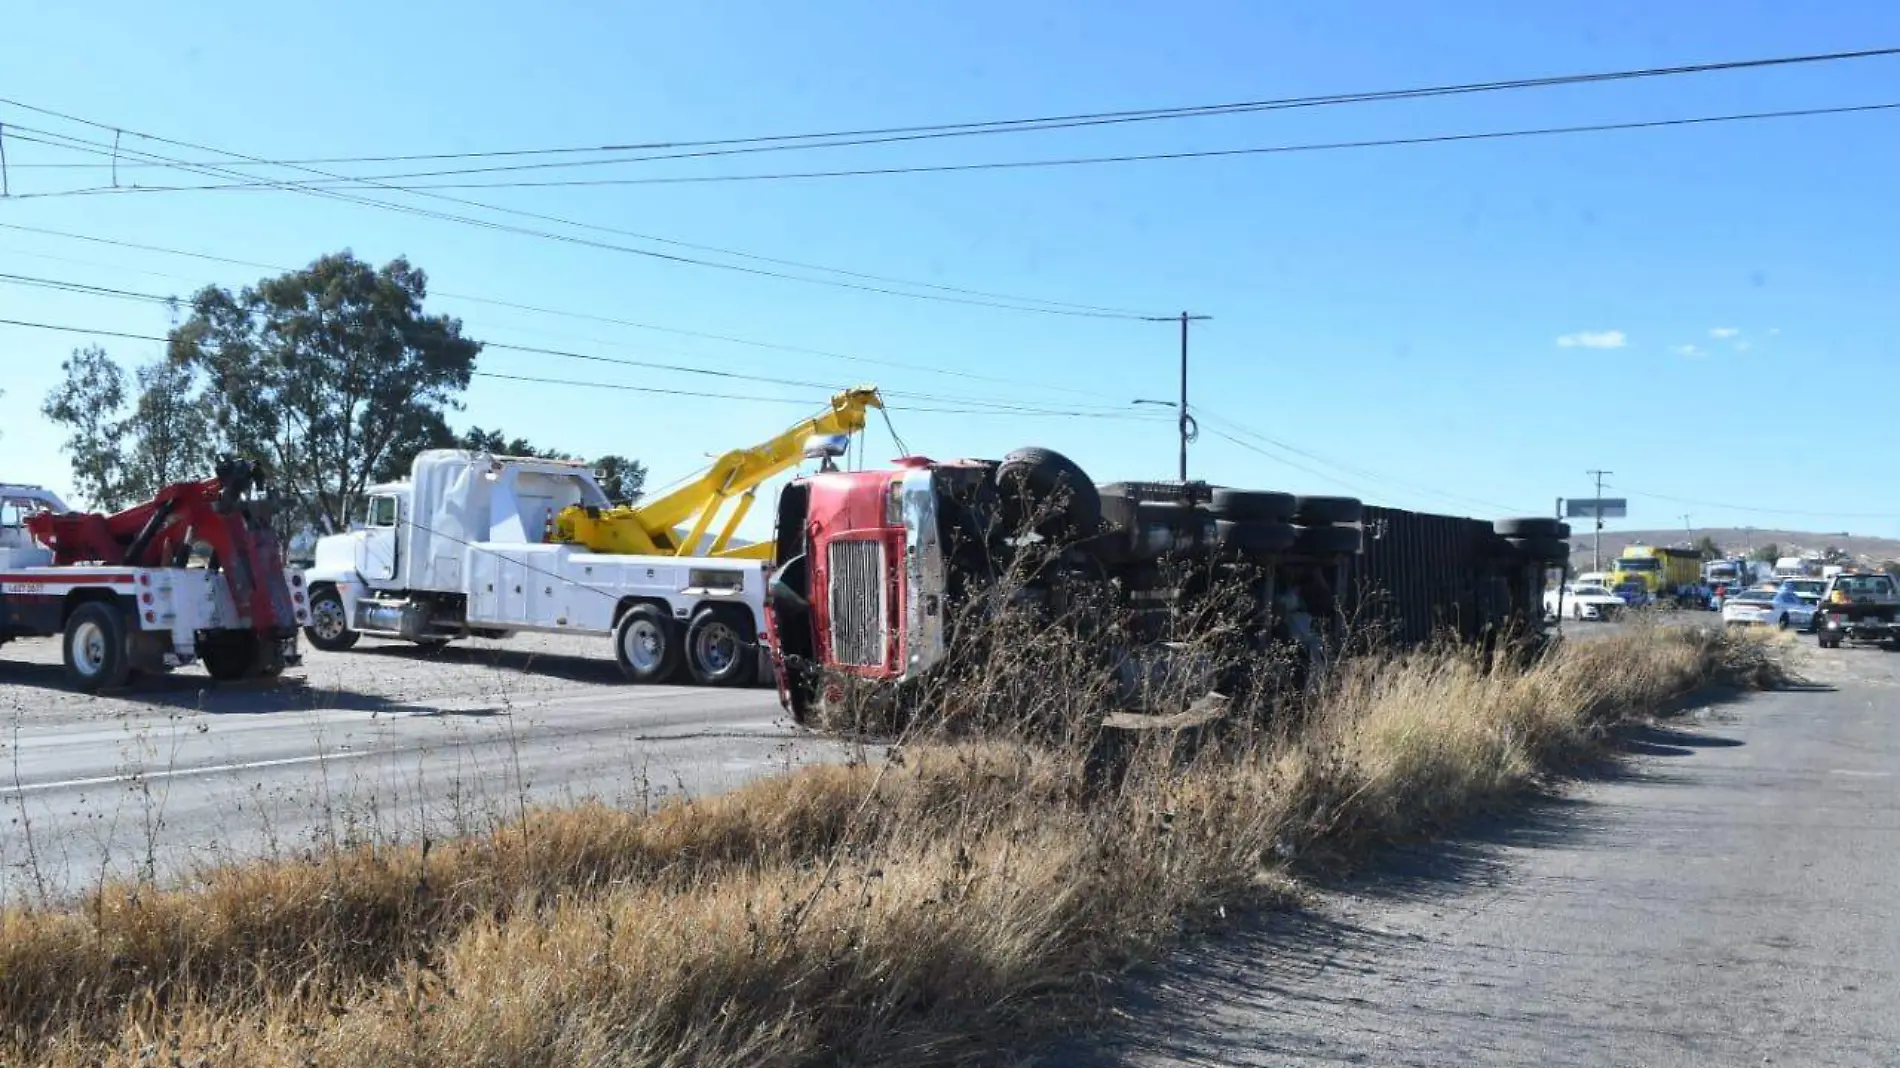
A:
(877, 135)
(1001, 165)
(699, 335)
(931, 291)
(1012, 410)
(999, 404)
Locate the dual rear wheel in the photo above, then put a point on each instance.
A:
(718, 647)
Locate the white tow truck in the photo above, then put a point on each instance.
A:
(478, 545)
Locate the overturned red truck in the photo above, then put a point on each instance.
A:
(193, 574)
(876, 567)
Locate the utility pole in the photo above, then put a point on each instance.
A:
(1182, 419)
(1596, 545)
(1687, 532)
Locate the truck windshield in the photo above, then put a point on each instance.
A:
(1639, 563)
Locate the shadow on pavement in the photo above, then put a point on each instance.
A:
(192, 690)
(599, 670)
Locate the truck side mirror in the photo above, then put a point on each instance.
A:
(783, 590)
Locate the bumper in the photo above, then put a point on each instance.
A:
(1861, 630)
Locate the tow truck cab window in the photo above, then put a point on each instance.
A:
(13, 512)
(382, 511)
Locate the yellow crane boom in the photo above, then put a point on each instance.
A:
(650, 527)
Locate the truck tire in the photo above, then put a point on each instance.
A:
(721, 648)
(329, 627)
(1256, 538)
(1327, 511)
(1542, 548)
(647, 645)
(1244, 505)
(1328, 541)
(1534, 526)
(95, 649)
(1035, 481)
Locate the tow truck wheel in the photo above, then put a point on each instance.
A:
(329, 627)
(233, 656)
(95, 648)
(720, 650)
(647, 644)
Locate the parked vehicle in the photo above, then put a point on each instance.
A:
(1798, 567)
(882, 568)
(1781, 608)
(1859, 606)
(477, 545)
(125, 595)
(1581, 601)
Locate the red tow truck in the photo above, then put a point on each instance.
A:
(195, 573)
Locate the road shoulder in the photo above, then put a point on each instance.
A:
(1723, 896)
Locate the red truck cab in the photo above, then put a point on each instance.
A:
(861, 583)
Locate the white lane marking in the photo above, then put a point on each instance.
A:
(179, 773)
(764, 729)
(1861, 774)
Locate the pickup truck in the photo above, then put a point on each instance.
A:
(1861, 607)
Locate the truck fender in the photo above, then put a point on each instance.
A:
(350, 588)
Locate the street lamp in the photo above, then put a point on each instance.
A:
(1190, 430)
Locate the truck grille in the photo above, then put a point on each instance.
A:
(857, 602)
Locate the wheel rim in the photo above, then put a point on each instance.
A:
(716, 648)
(326, 619)
(644, 645)
(89, 648)
(1782, 623)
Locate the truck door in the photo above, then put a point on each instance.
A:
(376, 549)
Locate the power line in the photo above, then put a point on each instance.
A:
(1014, 404)
(1041, 412)
(569, 314)
(887, 134)
(986, 409)
(1794, 512)
(933, 291)
(1360, 472)
(997, 165)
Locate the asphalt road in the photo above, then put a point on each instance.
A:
(386, 741)
(1732, 897)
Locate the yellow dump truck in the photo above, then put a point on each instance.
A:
(1663, 573)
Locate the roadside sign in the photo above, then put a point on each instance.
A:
(1596, 508)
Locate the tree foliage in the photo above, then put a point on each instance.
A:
(500, 444)
(123, 453)
(1767, 554)
(332, 376)
(1708, 549)
(88, 402)
(324, 373)
(623, 479)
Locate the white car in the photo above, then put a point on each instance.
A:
(1581, 601)
(1780, 608)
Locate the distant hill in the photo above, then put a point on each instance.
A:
(1733, 540)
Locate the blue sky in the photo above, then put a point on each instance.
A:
(1457, 328)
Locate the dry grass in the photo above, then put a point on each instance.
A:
(937, 907)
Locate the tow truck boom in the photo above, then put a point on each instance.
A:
(650, 527)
